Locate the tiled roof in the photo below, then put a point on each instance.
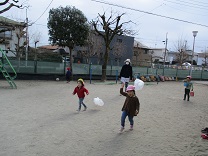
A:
(49, 47)
(9, 21)
(140, 45)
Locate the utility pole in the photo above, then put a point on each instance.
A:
(166, 43)
(27, 40)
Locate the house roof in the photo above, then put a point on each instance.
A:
(49, 47)
(140, 45)
(4, 20)
(202, 54)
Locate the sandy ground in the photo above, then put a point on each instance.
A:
(40, 119)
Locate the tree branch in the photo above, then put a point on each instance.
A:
(5, 2)
(9, 7)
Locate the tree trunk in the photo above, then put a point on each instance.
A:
(104, 66)
(70, 54)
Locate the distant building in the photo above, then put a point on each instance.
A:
(142, 55)
(12, 34)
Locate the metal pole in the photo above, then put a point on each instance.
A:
(192, 61)
(166, 40)
(27, 40)
(116, 76)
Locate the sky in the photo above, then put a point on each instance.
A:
(152, 20)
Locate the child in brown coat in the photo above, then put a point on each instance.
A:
(131, 106)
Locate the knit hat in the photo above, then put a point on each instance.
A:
(81, 80)
(188, 76)
(130, 87)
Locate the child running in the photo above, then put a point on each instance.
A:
(80, 90)
(131, 106)
(188, 86)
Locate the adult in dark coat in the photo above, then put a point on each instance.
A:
(126, 73)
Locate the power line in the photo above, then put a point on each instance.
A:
(188, 5)
(151, 13)
(43, 12)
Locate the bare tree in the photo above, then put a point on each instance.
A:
(119, 49)
(111, 27)
(181, 49)
(8, 4)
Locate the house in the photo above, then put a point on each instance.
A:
(142, 55)
(121, 48)
(159, 54)
(186, 56)
(202, 59)
(12, 36)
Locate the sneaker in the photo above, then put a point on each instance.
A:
(78, 110)
(131, 127)
(85, 109)
(205, 130)
(204, 136)
(121, 130)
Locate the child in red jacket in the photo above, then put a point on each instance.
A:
(80, 90)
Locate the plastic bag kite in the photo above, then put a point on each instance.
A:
(98, 101)
(139, 84)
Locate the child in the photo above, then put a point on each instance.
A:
(81, 90)
(131, 106)
(68, 75)
(189, 86)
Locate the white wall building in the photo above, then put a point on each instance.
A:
(13, 35)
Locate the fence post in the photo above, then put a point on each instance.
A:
(116, 76)
(177, 73)
(35, 66)
(163, 70)
(90, 72)
(157, 76)
(64, 67)
(202, 72)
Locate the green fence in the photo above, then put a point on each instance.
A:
(40, 67)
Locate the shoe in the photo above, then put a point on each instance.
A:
(131, 127)
(78, 110)
(205, 130)
(85, 109)
(204, 136)
(121, 130)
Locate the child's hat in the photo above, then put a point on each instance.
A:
(81, 80)
(130, 87)
(68, 68)
(188, 76)
(128, 60)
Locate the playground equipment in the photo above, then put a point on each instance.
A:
(4, 61)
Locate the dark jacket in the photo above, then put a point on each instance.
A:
(126, 71)
(131, 104)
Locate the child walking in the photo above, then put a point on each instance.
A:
(68, 75)
(188, 86)
(80, 90)
(131, 106)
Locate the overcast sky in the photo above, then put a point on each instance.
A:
(152, 19)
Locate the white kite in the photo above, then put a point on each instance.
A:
(98, 101)
(139, 84)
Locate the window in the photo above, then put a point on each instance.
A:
(6, 34)
(119, 40)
